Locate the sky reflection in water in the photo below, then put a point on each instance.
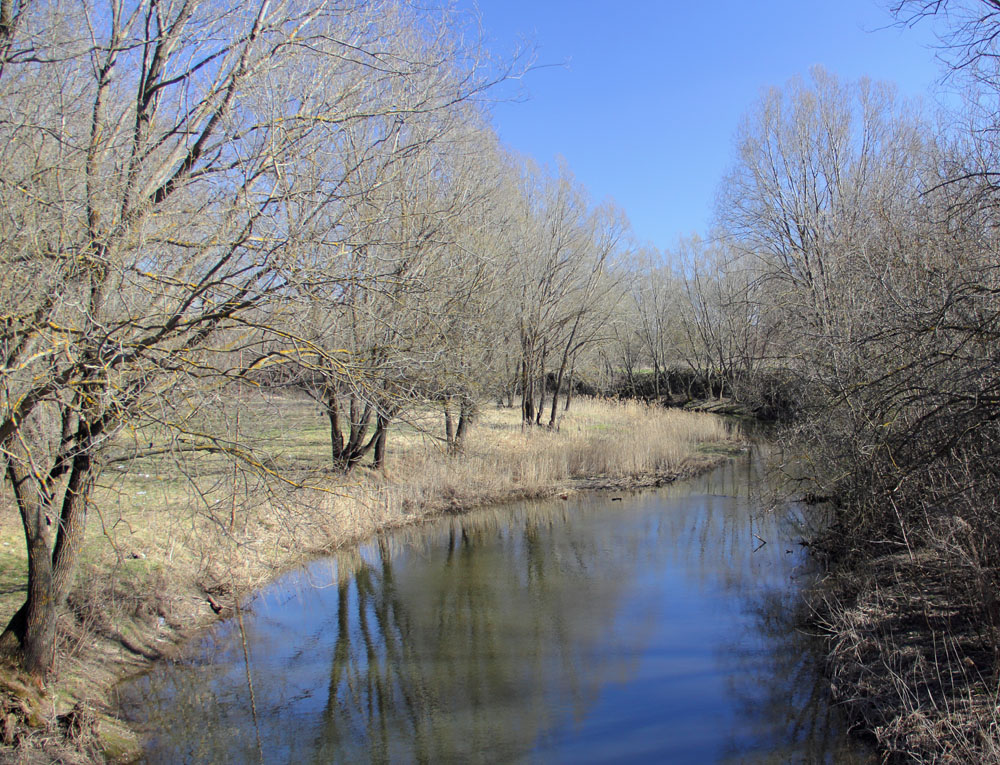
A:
(578, 631)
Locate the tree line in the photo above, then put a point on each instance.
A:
(305, 194)
(309, 194)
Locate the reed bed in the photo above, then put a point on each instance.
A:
(599, 443)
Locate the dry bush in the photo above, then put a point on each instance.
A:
(913, 658)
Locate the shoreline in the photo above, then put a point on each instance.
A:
(77, 720)
(429, 514)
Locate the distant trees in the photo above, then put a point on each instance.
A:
(727, 319)
(696, 317)
(653, 313)
(825, 169)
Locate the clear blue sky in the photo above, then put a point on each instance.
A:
(644, 96)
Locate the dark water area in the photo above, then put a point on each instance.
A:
(657, 628)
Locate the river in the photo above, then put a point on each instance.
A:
(658, 626)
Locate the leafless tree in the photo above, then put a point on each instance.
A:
(167, 173)
(562, 279)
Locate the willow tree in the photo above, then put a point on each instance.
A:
(559, 268)
(468, 326)
(161, 194)
(399, 277)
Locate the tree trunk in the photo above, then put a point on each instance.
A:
(381, 430)
(465, 417)
(359, 423)
(356, 447)
(563, 363)
(555, 396)
(449, 426)
(29, 637)
(336, 434)
(543, 384)
(72, 525)
(569, 388)
(527, 393)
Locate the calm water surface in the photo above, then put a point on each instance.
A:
(656, 628)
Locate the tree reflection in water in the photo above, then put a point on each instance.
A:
(571, 632)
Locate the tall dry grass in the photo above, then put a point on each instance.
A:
(913, 663)
(597, 443)
(597, 439)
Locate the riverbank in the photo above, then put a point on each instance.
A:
(160, 565)
(913, 657)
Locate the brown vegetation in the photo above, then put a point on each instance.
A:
(210, 210)
(913, 657)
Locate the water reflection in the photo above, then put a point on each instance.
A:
(655, 628)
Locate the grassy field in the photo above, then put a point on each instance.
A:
(172, 536)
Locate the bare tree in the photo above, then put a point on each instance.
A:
(164, 178)
(596, 297)
(560, 268)
(728, 317)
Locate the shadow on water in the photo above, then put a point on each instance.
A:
(655, 628)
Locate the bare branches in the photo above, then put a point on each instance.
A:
(187, 185)
(11, 14)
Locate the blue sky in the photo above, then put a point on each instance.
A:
(643, 97)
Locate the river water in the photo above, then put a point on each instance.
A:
(658, 627)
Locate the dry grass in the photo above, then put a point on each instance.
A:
(162, 543)
(168, 523)
(913, 662)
